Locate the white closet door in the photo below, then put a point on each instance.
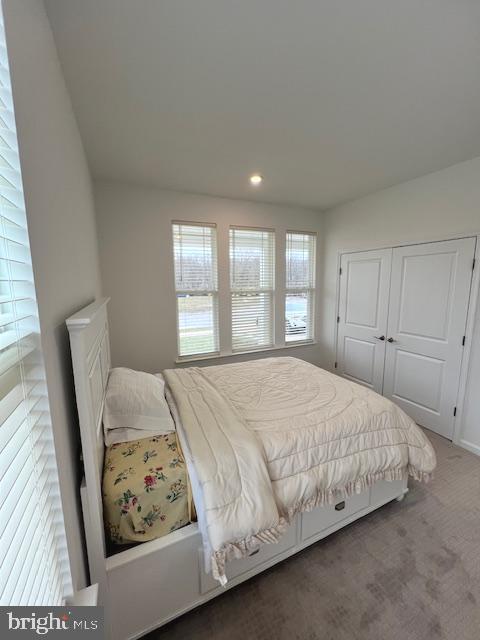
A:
(429, 294)
(362, 327)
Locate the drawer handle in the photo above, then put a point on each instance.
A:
(340, 506)
(253, 553)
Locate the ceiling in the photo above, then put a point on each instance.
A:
(328, 99)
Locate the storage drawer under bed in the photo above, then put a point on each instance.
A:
(236, 568)
(321, 518)
(383, 490)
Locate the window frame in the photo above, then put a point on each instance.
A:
(223, 294)
(310, 291)
(213, 292)
(270, 291)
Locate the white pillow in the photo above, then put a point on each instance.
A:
(135, 406)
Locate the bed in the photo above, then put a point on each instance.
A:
(290, 509)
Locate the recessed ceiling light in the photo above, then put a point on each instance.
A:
(256, 179)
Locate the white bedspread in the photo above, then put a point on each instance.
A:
(270, 438)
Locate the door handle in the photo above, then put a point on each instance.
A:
(379, 337)
(390, 340)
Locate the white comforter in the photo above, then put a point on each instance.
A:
(270, 438)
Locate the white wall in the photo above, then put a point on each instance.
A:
(469, 432)
(135, 236)
(61, 226)
(437, 205)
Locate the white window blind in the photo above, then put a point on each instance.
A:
(300, 286)
(252, 268)
(34, 567)
(195, 256)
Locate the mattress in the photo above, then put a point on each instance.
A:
(145, 489)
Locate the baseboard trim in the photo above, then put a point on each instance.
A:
(474, 448)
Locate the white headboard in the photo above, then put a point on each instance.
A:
(90, 346)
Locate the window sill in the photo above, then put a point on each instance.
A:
(216, 356)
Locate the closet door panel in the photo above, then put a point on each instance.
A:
(430, 286)
(418, 379)
(364, 284)
(427, 285)
(359, 359)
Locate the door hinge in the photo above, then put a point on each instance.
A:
(340, 271)
(454, 411)
(336, 364)
(338, 318)
(463, 341)
(473, 264)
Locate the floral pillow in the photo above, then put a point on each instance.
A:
(145, 489)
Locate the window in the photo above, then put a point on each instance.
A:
(300, 286)
(34, 567)
(252, 290)
(252, 265)
(195, 256)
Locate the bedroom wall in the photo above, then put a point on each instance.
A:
(62, 230)
(429, 208)
(135, 236)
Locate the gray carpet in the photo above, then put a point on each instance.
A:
(409, 571)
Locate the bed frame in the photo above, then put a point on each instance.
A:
(154, 582)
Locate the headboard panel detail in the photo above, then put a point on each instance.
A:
(90, 346)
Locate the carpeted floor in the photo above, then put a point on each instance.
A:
(409, 571)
